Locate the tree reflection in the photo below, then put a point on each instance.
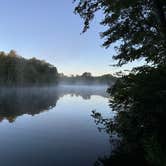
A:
(16, 102)
(83, 91)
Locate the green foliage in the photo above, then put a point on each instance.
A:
(139, 26)
(17, 71)
(140, 102)
(139, 99)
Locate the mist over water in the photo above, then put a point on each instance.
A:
(52, 125)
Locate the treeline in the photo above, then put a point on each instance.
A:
(87, 79)
(18, 71)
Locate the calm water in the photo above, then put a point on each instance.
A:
(52, 127)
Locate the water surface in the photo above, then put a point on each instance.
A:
(52, 126)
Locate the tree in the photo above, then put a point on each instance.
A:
(12, 53)
(139, 100)
(17, 71)
(138, 25)
(86, 74)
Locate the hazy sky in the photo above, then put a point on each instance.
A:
(49, 30)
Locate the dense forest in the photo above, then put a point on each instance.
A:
(87, 79)
(18, 71)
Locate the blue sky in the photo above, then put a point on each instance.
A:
(49, 30)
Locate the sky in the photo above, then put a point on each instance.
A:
(50, 31)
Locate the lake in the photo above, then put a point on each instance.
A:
(52, 126)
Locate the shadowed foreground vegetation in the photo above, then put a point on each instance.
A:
(138, 29)
(18, 71)
(139, 100)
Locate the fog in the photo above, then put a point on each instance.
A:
(15, 102)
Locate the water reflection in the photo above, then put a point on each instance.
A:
(84, 91)
(15, 102)
(61, 133)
